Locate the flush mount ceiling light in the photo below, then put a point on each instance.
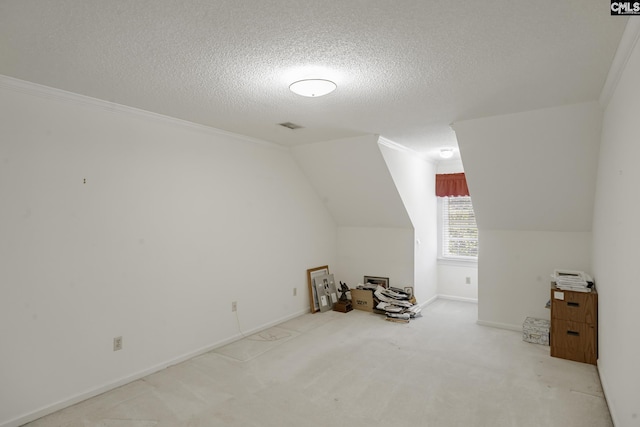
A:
(313, 87)
(446, 153)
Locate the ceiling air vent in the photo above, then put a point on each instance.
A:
(290, 125)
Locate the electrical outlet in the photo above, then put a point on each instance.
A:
(117, 343)
(295, 291)
(234, 306)
(468, 280)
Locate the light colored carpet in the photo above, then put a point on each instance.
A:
(256, 344)
(356, 369)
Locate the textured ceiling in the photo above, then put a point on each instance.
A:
(404, 69)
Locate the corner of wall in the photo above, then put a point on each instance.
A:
(626, 46)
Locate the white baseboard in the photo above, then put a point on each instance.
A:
(605, 389)
(429, 301)
(507, 326)
(49, 409)
(455, 298)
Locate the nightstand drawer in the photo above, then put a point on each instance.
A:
(576, 306)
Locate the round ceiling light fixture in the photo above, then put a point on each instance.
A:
(446, 153)
(313, 88)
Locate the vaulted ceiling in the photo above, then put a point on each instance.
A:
(404, 69)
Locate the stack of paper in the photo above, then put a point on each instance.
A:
(396, 304)
(572, 281)
(399, 317)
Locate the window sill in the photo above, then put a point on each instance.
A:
(458, 262)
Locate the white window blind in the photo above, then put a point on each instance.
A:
(459, 231)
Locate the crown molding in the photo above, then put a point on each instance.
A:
(47, 92)
(626, 46)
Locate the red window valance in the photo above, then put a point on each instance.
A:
(451, 184)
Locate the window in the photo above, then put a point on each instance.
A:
(459, 231)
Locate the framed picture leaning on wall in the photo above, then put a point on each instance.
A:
(312, 273)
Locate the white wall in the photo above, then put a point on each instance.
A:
(375, 233)
(382, 197)
(534, 170)
(452, 165)
(514, 269)
(532, 178)
(452, 281)
(173, 223)
(353, 181)
(415, 182)
(616, 236)
(383, 252)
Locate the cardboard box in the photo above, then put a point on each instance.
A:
(536, 331)
(362, 299)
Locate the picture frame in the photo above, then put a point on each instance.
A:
(326, 292)
(376, 280)
(409, 290)
(312, 273)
